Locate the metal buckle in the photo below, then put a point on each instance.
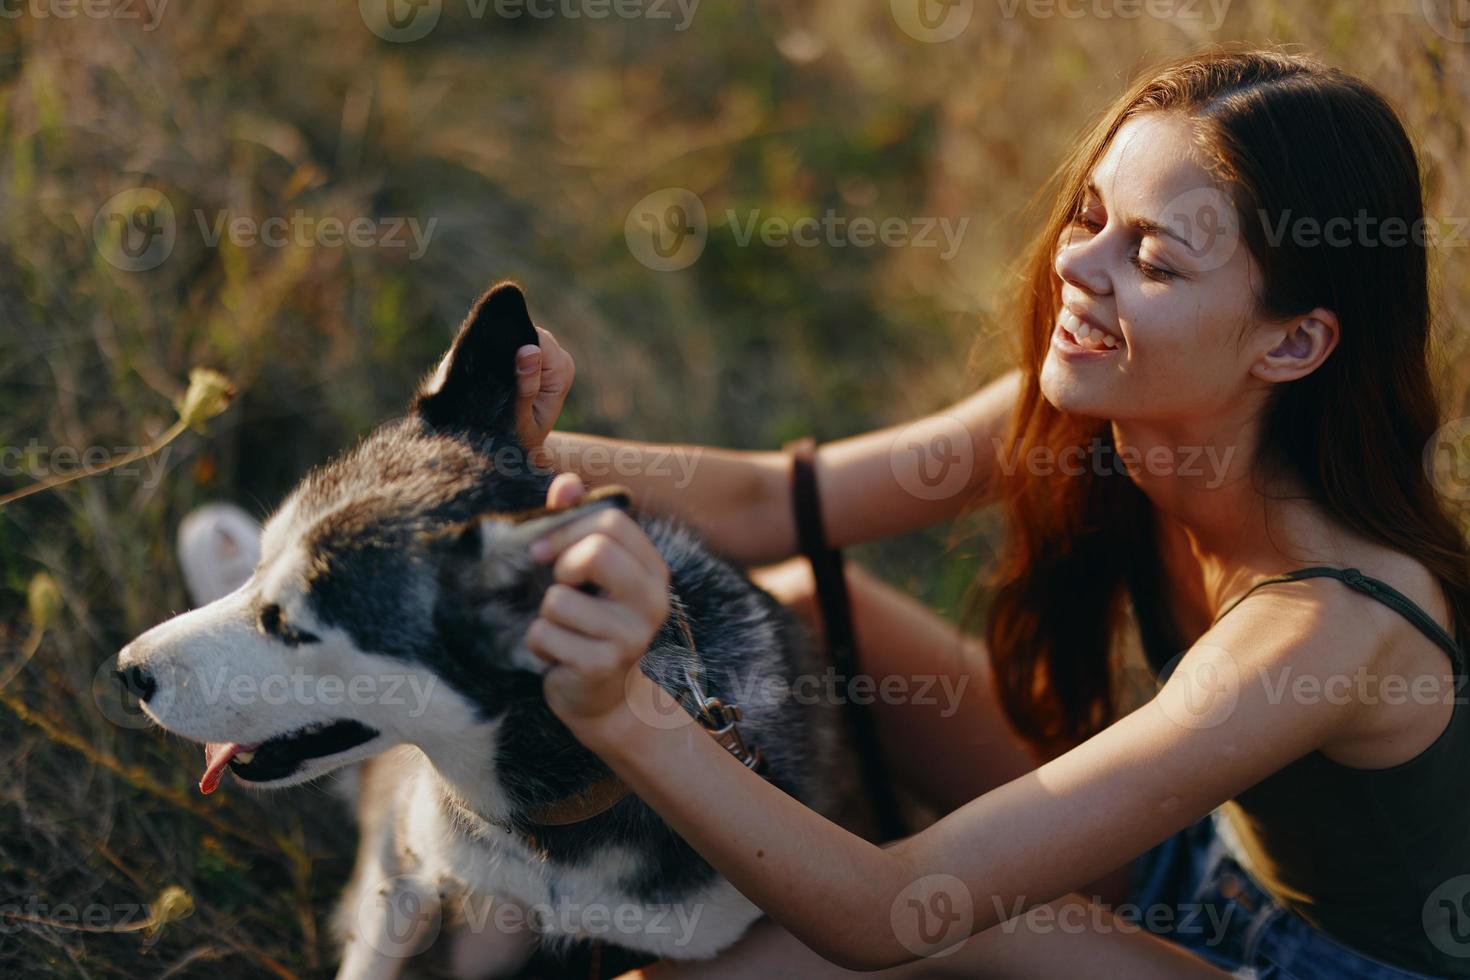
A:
(719, 719)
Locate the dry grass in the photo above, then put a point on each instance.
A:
(529, 141)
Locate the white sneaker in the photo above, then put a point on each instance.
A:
(218, 547)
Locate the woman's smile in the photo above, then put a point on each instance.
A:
(1077, 339)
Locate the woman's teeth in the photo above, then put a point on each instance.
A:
(1086, 336)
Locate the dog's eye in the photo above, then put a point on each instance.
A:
(271, 624)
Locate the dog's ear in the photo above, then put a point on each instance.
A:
(491, 566)
(474, 386)
(501, 542)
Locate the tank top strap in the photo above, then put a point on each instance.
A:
(1374, 589)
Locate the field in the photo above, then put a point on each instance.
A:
(325, 197)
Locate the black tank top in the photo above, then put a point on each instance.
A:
(1378, 859)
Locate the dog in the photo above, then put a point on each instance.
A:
(384, 630)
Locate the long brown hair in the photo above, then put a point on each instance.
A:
(1290, 136)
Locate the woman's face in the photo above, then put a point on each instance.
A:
(1157, 296)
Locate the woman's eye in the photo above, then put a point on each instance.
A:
(1152, 271)
(1085, 220)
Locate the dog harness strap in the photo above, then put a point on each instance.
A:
(835, 606)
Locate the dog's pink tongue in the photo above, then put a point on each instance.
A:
(217, 756)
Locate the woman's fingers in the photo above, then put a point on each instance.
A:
(613, 524)
(528, 371)
(605, 562)
(528, 386)
(583, 654)
(593, 641)
(557, 371)
(565, 491)
(590, 616)
(544, 375)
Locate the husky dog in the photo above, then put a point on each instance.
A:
(385, 625)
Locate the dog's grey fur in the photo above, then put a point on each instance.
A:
(405, 558)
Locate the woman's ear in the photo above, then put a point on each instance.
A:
(1298, 346)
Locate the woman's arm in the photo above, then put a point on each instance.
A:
(1066, 938)
(1217, 727)
(740, 500)
(873, 485)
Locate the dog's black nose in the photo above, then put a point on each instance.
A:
(137, 682)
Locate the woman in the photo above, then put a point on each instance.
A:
(1178, 307)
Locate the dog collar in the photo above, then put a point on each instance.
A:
(585, 804)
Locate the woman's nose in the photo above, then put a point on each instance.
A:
(1080, 262)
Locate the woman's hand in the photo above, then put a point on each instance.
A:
(595, 642)
(543, 378)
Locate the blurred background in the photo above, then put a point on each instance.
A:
(308, 196)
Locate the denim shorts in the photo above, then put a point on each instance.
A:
(1192, 890)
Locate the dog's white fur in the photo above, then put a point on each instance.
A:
(420, 863)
